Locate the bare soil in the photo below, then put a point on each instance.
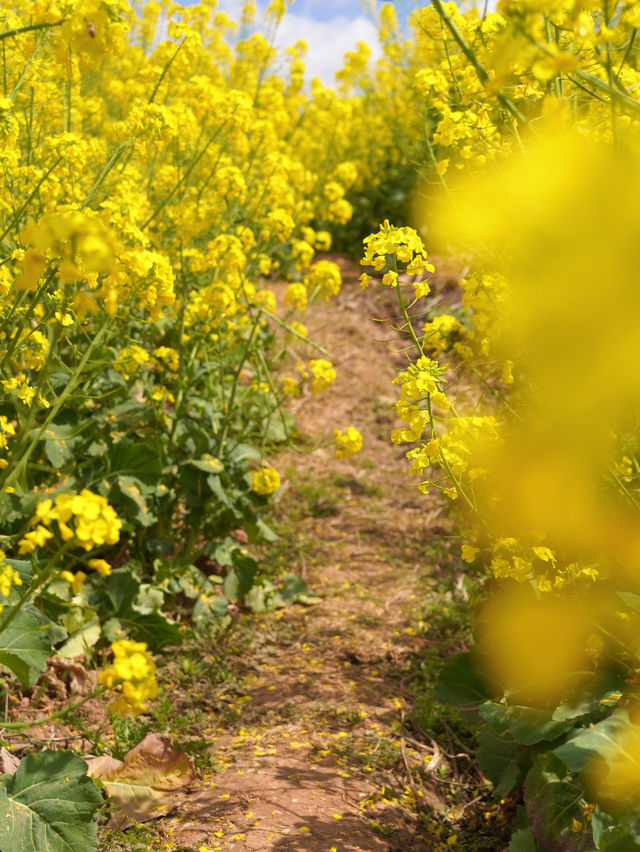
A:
(319, 759)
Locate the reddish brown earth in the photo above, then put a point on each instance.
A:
(320, 742)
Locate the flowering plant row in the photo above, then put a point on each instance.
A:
(521, 407)
(145, 357)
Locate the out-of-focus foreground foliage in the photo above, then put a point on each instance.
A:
(522, 408)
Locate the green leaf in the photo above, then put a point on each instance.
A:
(49, 805)
(132, 490)
(529, 725)
(142, 461)
(155, 629)
(242, 452)
(240, 578)
(555, 806)
(256, 599)
(630, 599)
(624, 842)
(601, 740)
(294, 590)
(123, 589)
(523, 840)
(112, 630)
(25, 645)
(216, 488)
(148, 599)
(208, 464)
(460, 684)
(80, 640)
(502, 759)
(58, 443)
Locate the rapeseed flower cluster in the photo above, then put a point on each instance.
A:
(81, 520)
(133, 674)
(9, 578)
(265, 481)
(347, 443)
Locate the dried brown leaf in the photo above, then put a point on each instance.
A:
(8, 762)
(143, 787)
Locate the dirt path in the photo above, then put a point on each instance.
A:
(321, 761)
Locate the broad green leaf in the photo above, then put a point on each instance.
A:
(25, 645)
(59, 443)
(123, 589)
(215, 485)
(529, 725)
(627, 841)
(112, 630)
(502, 759)
(460, 684)
(25, 571)
(208, 464)
(240, 578)
(601, 740)
(140, 460)
(522, 839)
(149, 599)
(630, 599)
(256, 599)
(155, 629)
(49, 805)
(294, 590)
(257, 531)
(554, 802)
(242, 452)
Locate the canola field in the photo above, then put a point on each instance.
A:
(171, 192)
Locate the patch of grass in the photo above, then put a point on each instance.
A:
(346, 716)
(128, 732)
(319, 499)
(359, 487)
(137, 838)
(369, 753)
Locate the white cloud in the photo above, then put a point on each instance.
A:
(327, 41)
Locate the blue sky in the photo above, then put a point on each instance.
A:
(329, 27)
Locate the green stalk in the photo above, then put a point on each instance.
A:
(168, 65)
(234, 388)
(17, 216)
(53, 411)
(191, 167)
(481, 72)
(105, 171)
(30, 28)
(34, 585)
(432, 423)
